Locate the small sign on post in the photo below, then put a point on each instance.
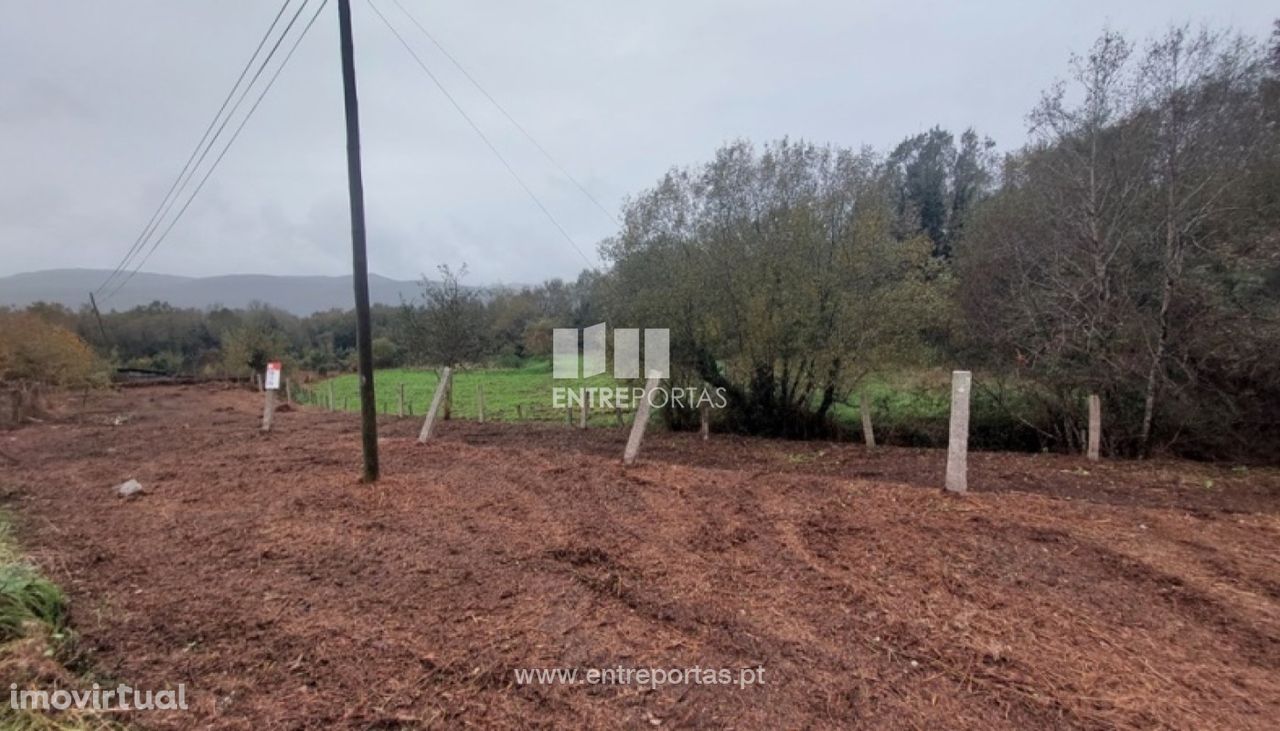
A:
(270, 385)
(958, 444)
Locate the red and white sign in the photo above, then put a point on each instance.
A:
(273, 376)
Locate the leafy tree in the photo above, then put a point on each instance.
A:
(259, 339)
(935, 185)
(778, 275)
(34, 350)
(448, 328)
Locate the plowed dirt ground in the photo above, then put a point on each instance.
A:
(257, 571)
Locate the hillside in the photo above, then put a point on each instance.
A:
(301, 295)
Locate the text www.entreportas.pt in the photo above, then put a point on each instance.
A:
(653, 677)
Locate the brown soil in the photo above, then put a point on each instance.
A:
(257, 571)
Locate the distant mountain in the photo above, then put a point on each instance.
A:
(300, 295)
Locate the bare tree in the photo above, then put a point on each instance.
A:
(1200, 95)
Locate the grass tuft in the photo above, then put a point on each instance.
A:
(26, 596)
(33, 636)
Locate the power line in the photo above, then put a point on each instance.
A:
(147, 230)
(236, 134)
(475, 128)
(213, 140)
(506, 114)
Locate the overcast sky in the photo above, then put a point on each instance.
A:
(101, 102)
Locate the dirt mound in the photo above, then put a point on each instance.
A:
(1060, 594)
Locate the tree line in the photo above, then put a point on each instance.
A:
(1129, 248)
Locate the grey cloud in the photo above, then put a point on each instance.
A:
(101, 103)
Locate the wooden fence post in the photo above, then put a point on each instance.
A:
(429, 424)
(640, 423)
(333, 403)
(400, 401)
(1095, 427)
(868, 436)
(958, 444)
(586, 400)
(288, 391)
(480, 402)
(617, 412)
(519, 412)
(448, 397)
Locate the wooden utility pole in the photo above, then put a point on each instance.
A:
(98, 316)
(359, 262)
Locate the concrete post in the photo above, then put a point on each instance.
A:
(958, 444)
(268, 409)
(639, 424)
(429, 424)
(1095, 427)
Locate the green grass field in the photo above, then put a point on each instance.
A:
(529, 387)
(904, 402)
